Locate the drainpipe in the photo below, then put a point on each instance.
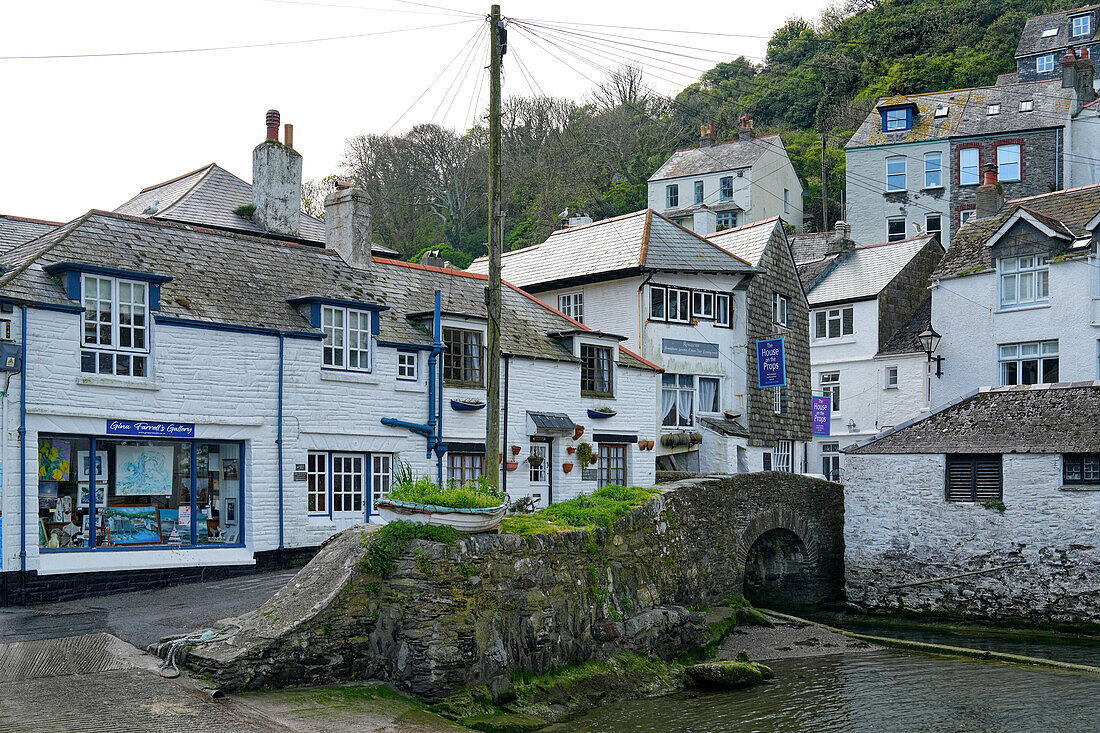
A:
(23, 459)
(279, 439)
(432, 358)
(507, 450)
(437, 348)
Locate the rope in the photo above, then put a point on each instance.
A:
(170, 666)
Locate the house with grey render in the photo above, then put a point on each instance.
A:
(986, 508)
(914, 164)
(1046, 38)
(868, 303)
(688, 304)
(1016, 298)
(184, 400)
(741, 181)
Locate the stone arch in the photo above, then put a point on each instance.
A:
(777, 518)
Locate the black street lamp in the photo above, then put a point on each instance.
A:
(929, 340)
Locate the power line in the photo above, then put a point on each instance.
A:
(205, 49)
(454, 13)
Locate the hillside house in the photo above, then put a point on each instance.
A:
(1046, 38)
(741, 181)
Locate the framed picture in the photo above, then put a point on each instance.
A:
(47, 488)
(230, 517)
(82, 491)
(53, 459)
(131, 525)
(230, 469)
(84, 464)
(144, 470)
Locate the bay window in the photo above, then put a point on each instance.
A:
(115, 332)
(347, 338)
(726, 220)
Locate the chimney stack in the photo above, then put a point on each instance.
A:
(706, 135)
(704, 221)
(744, 134)
(988, 199)
(843, 241)
(288, 135)
(276, 182)
(1084, 93)
(348, 224)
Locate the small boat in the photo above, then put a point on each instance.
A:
(601, 414)
(462, 406)
(464, 520)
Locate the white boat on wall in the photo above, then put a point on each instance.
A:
(464, 520)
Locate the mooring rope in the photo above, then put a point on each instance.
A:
(170, 668)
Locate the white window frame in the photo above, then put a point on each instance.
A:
(345, 468)
(895, 177)
(658, 297)
(834, 315)
(725, 188)
(540, 474)
(344, 341)
(969, 172)
(702, 304)
(1027, 351)
(1044, 64)
(993, 109)
(1014, 167)
(722, 310)
(97, 347)
(830, 387)
(681, 383)
(682, 298)
(938, 230)
(779, 400)
(897, 120)
(1080, 25)
(407, 366)
(698, 192)
(717, 394)
(317, 482)
(381, 476)
(672, 195)
(783, 457)
(891, 374)
(933, 169)
(1027, 105)
(964, 216)
(1015, 272)
(572, 305)
(781, 309)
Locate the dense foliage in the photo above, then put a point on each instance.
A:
(599, 509)
(476, 495)
(819, 76)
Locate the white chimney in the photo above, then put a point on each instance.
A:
(276, 182)
(704, 221)
(348, 225)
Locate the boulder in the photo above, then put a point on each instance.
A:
(729, 674)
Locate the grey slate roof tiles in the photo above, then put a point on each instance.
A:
(968, 113)
(1033, 42)
(865, 271)
(747, 241)
(969, 252)
(227, 278)
(633, 242)
(813, 246)
(725, 156)
(1040, 418)
(904, 340)
(15, 230)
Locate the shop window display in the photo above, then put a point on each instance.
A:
(144, 493)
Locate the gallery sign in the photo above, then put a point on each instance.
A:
(689, 348)
(821, 409)
(151, 429)
(771, 363)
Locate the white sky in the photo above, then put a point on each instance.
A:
(91, 132)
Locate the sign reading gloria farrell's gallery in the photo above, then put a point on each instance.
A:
(771, 363)
(151, 429)
(689, 348)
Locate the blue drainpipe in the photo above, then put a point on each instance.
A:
(437, 348)
(279, 440)
(23, 458)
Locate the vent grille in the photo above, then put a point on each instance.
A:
(974, 478)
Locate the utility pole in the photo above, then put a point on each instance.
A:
(494, 465)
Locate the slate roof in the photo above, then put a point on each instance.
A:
(15, 230)
(970, 255)
(865, 271)
(642, 241)
(1040, 418)
(228, 278)
(967, 113)
(747, 241)
(717, 208)
(209, 197)
(1010, 77)
(719, 157)
(904, 340)
(725, 427)
(1031, 37)
(810, 273)
(813, 246)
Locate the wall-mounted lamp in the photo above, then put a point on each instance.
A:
(851, 426)
(929, 341)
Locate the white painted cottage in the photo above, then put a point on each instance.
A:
(179, 398)
(987, 508)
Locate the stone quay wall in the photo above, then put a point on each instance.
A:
(450, 616)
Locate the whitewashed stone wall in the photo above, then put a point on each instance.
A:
(899, 529)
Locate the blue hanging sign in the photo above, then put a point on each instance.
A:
(821, 409)
(771, 363)
(151, 429)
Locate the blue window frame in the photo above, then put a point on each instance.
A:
(725, 192)
(698, 192)
(672, 196)
(727, 219)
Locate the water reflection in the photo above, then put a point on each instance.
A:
(874, 691)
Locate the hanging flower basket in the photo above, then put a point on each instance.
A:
(567, 467)
(467, 405)
(602, 414)
(571, 449)
(512, 465)
(535, 461)
(578, 431)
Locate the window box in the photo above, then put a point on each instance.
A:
(467, 406)
(601, 414)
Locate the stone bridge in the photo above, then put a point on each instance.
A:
(474, 612)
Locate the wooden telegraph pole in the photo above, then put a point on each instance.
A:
(496, 242)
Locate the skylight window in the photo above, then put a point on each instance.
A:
(994, 109)
(942, 111)
(1050, 32)
(1026, 105)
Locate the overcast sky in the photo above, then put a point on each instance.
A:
(83, 133)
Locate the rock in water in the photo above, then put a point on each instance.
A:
(729, 674)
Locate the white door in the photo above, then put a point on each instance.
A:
(349, 488)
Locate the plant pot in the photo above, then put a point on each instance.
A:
(567, 467)
(650, 446)
(515, 450)
(571, 449)
(578, 432)
(512, 465)
(642, 444)
(600, 414)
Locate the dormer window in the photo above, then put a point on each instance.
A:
(463, 358)
(596, 380)
(1050, 33)
(347, 338)
(1082, 25)
(993, 109)
(896, 119)
(115, 335)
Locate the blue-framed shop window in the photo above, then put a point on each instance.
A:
(98, 494)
